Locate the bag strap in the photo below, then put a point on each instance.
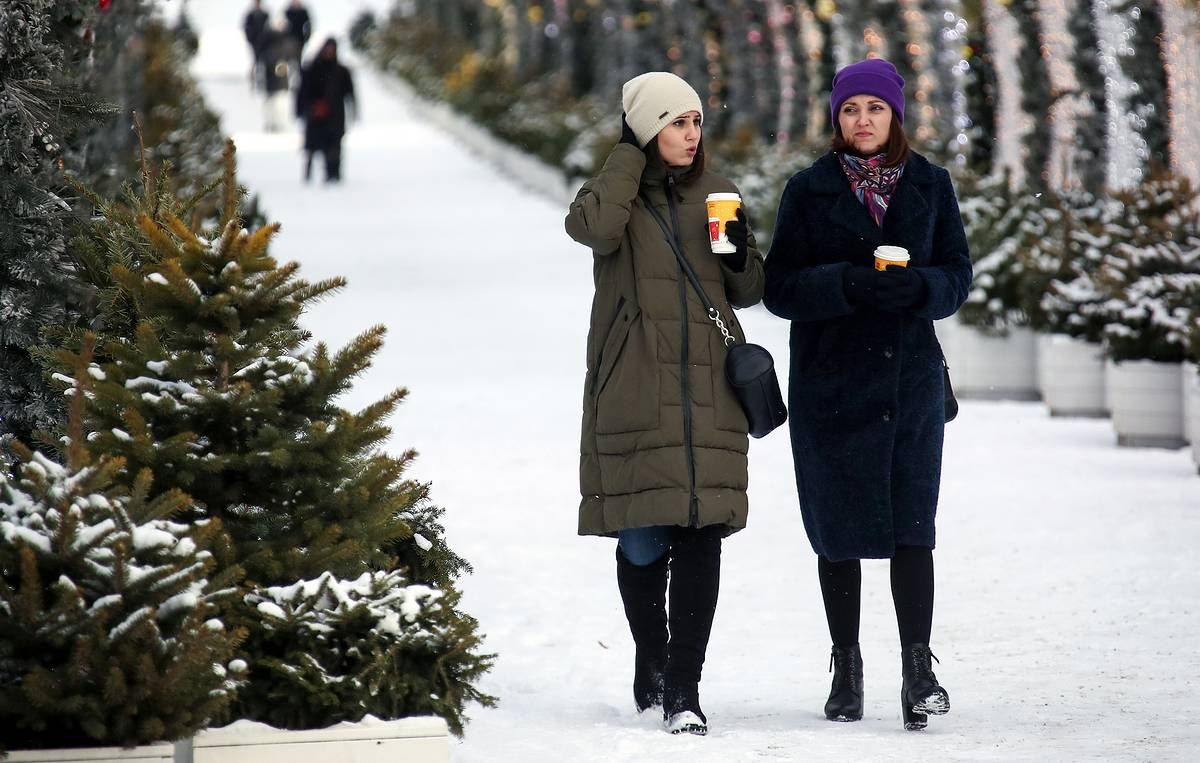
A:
(714, 315)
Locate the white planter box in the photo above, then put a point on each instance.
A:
(1191, 403)
(987, 367)
(412, 740)
(1071, 376)
(1147, 403)
(153, 753)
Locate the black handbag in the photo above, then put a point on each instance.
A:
(950, 400)
(749, 368)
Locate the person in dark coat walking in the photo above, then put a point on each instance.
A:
(663, 448)
(299, 26)
(277, 53)
(866, 382)
(252, 26)
(323, 101)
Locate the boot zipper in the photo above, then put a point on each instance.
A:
(684, 380)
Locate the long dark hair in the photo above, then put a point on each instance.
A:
(694, 172)
(896, 151)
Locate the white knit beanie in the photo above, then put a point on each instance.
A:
(653, 100)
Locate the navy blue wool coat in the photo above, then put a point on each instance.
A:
(865, 390)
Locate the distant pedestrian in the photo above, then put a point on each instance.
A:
(253, 26)
(866, 382)
(324, 100)
(278, 52)
(299, 25)
(663, 456)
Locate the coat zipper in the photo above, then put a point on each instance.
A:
(684, 382)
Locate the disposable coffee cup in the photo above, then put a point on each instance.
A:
(722, 207)
(890, 256)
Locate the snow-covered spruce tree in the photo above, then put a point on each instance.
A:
(1070, 301)
(338, 649)
(996, 219)
(108, 627)
(139, 64)
(37, 106)
(1151, 272)
(215, 392)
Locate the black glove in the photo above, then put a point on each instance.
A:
(900, 289)
(627, 135)
(858, 283)
(738, 233)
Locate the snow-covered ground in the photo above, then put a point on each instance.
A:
(1068, 619)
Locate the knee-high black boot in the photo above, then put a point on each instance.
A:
(695, 580)
(644, 594)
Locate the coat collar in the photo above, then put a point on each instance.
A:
(908, 202)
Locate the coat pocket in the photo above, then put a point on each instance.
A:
(626, 396)
(727, 411)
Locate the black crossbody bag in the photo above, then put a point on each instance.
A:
(749, 368)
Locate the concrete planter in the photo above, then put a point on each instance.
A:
(153, 753)
(412, 740)
(1071, 376)
(987, 367)
(1191, 405)
(1147, 403)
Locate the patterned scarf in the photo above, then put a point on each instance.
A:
(872, 182)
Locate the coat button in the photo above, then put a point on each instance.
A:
(887, 415)
(887, 353)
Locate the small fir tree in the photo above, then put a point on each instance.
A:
(341, 649)
(108, 634)
(1133, 286)
(38, 105)
(1070, 302)
(215, 392)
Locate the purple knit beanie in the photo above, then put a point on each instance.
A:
(871, 76)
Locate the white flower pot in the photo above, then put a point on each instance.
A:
(1071, 376)
(152, 753)
(412, 740)
(1147, 403)
(1191, 401)
(987, 367)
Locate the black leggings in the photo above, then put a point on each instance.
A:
(912, 593)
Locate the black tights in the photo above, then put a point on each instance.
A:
(912, 593)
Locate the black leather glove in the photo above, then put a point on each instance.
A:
(738, 233)
(627, 135)
(858, 284)
(900, 289)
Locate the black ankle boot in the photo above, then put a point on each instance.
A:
(920, 696)
(845, 701)
(695, 580)
(644, 594)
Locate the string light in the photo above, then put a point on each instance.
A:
(1182, 44)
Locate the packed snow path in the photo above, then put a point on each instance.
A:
(1067, 614)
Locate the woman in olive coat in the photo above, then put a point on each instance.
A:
(663, 451)
(866, 382)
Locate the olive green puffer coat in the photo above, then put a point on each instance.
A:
(659, 446)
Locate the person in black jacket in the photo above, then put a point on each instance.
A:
(299, 26)
(867, 407)
(325, 95)
(252, 26)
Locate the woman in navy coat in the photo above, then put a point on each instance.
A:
(865, 390)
